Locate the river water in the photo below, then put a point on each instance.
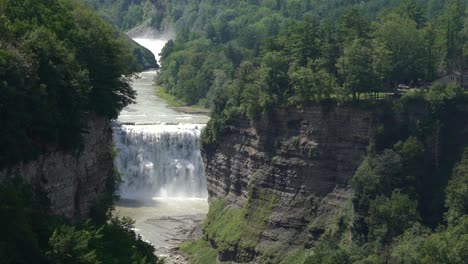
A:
(164, 184)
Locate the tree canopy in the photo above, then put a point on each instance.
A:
(59, 62)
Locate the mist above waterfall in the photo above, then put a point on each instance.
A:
(154, 41)
(154, 45)
(160, 161)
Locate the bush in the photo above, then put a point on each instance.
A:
(390, 217)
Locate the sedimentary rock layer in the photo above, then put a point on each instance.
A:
(304, 158)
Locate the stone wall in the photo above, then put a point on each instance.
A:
(73, 181)
(302, 157)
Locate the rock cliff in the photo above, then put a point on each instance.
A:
(293, 167)
(73, 182)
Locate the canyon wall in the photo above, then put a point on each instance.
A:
(296, 163)
(73, 182)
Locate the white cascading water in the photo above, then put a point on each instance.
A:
(160, 161)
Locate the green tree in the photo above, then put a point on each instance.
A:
(69, 245)
(390, 217)
(274, 78)
(407, 248)
(328, 253)
(450, 38)
(448, 246)
(404, 41)
(356, 70)
(354, 26)
(457, 191)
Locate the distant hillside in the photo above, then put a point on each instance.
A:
(125, 14)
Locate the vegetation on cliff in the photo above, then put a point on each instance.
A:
(403, 203)
(30, 234)
(407, 203)
(58, 62)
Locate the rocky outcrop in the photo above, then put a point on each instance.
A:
(301, 158)
(73, 182)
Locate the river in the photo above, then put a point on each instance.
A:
(164, 185)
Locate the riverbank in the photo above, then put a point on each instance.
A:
(178, 105)
(166, 223)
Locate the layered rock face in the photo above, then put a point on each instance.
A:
(73, 182)
(303, 159)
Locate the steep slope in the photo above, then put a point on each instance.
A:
(286, 175)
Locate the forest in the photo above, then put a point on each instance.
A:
(60, 62)
(273, 53)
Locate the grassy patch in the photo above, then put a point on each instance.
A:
(199, 252)
(239, 229)
(297, 257)
(224, 224)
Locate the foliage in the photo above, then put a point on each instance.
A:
(457, 191)
(28, 226)
(389, 217)
(24, 224)
(233, 228)
(125, 14)
(448, 246)
(398, 189)
(199, 251)
(328, 253)
(58, 63)
(71, 246)
(259, 56)
(362, 55)
(407, 247)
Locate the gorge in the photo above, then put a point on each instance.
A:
(337, 131)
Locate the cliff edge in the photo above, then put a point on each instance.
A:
(274, 184)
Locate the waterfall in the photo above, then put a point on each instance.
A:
(160, 161)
